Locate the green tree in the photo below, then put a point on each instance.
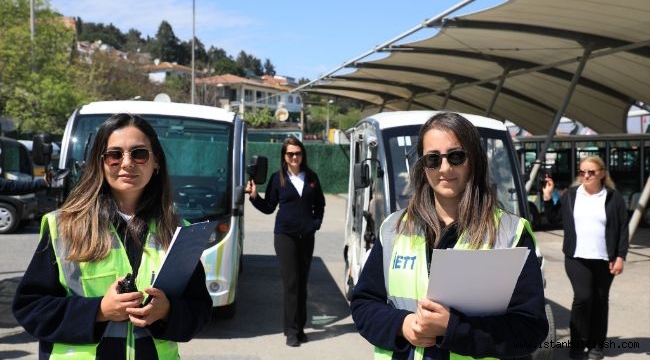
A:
(269, 69)
(37, 82)
(221, 63)
(178, 89)
(109, 79)
(108, 34)
(261, 118)
(134, 41)
(227, 66)
(250, 63)
(166, 45)
(214, 54)
(349, 119)
(185, 54)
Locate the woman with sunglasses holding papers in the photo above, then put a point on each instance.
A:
(594, 217)
(452, 206)
(295, 188)
(119, 219)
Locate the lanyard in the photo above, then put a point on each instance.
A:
(133, 249)
(429, 252)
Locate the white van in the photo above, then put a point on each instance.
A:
(382, 152)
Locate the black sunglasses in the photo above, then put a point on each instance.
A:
(588, 172)
(292, 154)
(454, 158)
(139, 156)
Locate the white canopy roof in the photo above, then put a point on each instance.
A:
(534, 47)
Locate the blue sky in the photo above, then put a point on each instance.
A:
(302, 39)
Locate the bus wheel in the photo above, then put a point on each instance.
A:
(224, 312)
(8, 218)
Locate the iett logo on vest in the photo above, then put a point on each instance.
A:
(406, 262)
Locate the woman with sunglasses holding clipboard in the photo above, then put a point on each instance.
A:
(594, 217)
(452, 205)
(118, 220)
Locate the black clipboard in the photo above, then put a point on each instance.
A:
(182, 256)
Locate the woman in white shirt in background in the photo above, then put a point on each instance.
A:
(594, 217)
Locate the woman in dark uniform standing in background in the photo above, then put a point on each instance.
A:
(296, 190)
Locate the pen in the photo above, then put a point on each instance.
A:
(153, 276)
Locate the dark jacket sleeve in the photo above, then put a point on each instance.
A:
(319, 203)
(21, 187)
(43, 308)
(553, 211)
(377, 321)
(516, 333)
(622, 231)
(188, 314)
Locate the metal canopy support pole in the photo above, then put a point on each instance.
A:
(639, 208)
(447, 95)
(302, 121)
(382, 106)
(193, 45)
(497, 91)
(558, 116)
(410, 102)
(427, 23)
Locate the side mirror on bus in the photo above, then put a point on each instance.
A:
(42, 149)
(361, 175)
(258, 168)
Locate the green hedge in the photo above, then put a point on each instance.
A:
(331, 162)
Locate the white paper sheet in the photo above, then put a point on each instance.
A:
(476, 282)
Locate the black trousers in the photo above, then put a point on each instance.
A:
(591, 281)
(294, 255)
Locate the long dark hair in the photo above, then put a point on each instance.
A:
(478, 203)
(90, 208)
(291, 140)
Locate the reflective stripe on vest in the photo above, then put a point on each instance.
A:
(406, 275)
(92, 279)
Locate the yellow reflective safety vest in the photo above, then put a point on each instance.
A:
(92, 279)
(401, 251)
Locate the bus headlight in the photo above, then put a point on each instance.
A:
(213, 286)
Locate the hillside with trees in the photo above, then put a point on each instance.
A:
(44, 75)
(43, 78)
(166, 46)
